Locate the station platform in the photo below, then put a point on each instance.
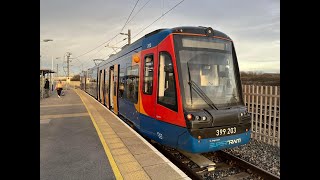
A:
(81, 139)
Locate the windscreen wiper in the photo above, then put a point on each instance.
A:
(189, 81)
(199, 91)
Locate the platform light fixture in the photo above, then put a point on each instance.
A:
(47, 40)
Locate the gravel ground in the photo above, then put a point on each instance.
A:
(222, 173)
(260, 154)
(219, 174)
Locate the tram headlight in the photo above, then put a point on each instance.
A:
(197, 118)
(189, 117)
(204, 118)
(209, 31)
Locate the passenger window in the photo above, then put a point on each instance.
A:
(107, 86)
(114, 85)
(167, 86)
(148, 74)
(132, 83)
(122, 83)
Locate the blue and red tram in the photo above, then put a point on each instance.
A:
(180, 87)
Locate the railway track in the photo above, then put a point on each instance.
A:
(223, 165)
(213, 165)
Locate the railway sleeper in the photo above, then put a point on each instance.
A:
(185, 161)
(200, 160)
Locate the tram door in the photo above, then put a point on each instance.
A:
(106, 87)
(167, 99)
(98, 85)
(113, 96)
(101, 85)
(115, 87)
(148, 89)
(111, 87)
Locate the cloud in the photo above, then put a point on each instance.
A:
(80, 25)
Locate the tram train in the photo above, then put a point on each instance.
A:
(179, 87)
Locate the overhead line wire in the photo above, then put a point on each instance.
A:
(158, 18)
(110, 38)
(129, 15)
(146, 26)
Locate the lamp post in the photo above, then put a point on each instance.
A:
(129, 36)
(44, 40)
(57, 73)
(47, 40)
(57, 66)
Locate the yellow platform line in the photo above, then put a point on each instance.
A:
(105, 146)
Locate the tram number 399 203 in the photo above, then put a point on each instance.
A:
(224, 131)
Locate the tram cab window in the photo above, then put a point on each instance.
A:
(148, 74)
(167, 86)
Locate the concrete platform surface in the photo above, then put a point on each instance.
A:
(69, 144)
(82, 139)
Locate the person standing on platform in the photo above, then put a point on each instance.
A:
(59, 88)
(46, 87)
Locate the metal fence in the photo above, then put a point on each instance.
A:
(263, 102)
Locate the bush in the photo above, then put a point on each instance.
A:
(259, 78)
(75, 78)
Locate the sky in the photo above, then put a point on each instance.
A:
(78, 26)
